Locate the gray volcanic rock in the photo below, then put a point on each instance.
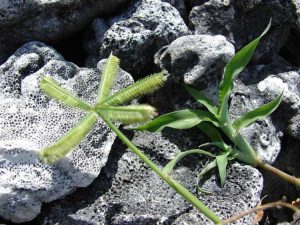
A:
(181, 6)
(289, 82)
(136, 39)
(132, 194)
(30, 121)
(23, 21)
(263, 135)
(241, 192)
(270, 81)
(242, 21)
(195, 56)
(258, 86)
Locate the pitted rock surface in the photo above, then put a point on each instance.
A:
(136, 39)
(262, 135)
(242, 21)
(134, 195)
(241, 192)
(270, 81)
(30, 121)
(195, 57)
(289, 83)
(23, 21)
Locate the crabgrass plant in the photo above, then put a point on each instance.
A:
(216, 121)
(110, 108)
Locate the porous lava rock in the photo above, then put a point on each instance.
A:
(241, 21)
(128, 192)
(42, 20)
(30, 121)
(138, 35)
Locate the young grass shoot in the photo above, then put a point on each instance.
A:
(216, 120)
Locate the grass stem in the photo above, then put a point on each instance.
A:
(279, 173)
(179, 188)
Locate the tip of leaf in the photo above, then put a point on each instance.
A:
(267, 28)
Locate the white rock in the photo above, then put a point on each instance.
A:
(31, 121)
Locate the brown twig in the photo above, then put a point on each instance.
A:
(259, 208)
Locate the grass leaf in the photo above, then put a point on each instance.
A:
(63, 146)
(183, 119)
(108, 77)
(220, 145)
(204, 171)
(127, 114)
(260, 113)
(223, 114)
(211, 131)
(201, 98)
(222, 164)
(138, 89)
(170, 166)
(54, 90)
(236, 65)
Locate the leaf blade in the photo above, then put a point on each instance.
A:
(205, 170)
(52, 89)
(64, 145)
(222, 164)
(259, 113)
(210, 131)
(236, 65)
(170, 166)
(220, 145)
(201, 98)
(182, 119)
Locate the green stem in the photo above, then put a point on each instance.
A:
(245, 151)
(180, 189)
(248, 155)
(279, 173)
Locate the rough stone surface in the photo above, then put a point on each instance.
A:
(242, 21)
(269, 84)
(23, 21)
(289, 82)
(270, 81)
(262, 135)
(136, 39)
(238, 195)
(30, 121)
(181, 6)
(134, 195)
(194, 56)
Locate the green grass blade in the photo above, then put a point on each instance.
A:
(183, 119)
(211, 131)
(220, 145)
(201, 98)
(170, 166)
(108, 77)
(236, 65)
(257, 114)
(54, 90)
(203, 191)
(127, 114)
(223, 114)
(203, 172)
(138, 89)
(222, 164)
(63, 146)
